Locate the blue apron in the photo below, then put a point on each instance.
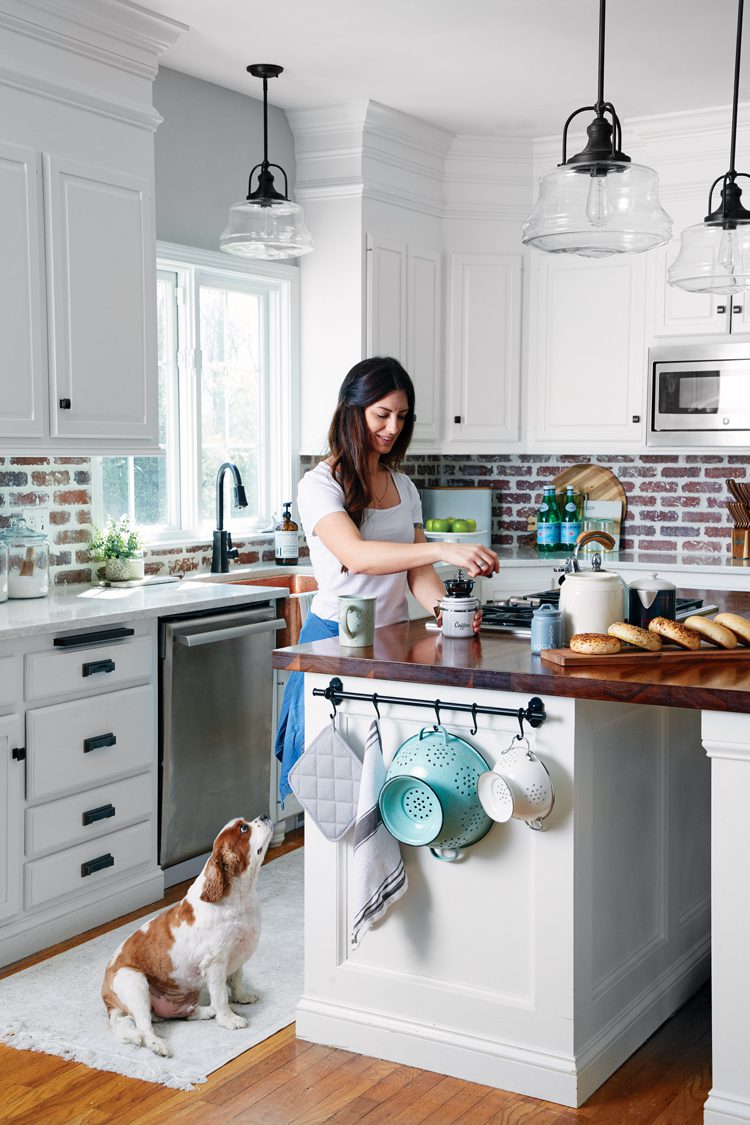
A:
(290, 736)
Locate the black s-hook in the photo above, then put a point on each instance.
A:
(521, 717)
(436, 705)
(375, 704)
(474, 719)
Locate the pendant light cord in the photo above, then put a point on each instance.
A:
(599, 107)
(265, 120)
(738, 50)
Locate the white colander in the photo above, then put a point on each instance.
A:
(518, 786)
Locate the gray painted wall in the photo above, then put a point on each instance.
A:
(208, 142)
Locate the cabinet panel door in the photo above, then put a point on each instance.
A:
(423, 350)
(101, 287)
(23, 330)
(677, 312)
(588, 353)
(484, 350)
(11, 801)
(386, 298)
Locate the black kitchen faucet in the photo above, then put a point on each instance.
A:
(223, 550)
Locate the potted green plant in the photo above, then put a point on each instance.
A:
(120, 546)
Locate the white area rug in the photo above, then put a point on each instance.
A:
(55, 1007)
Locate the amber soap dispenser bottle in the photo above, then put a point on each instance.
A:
(286, 538)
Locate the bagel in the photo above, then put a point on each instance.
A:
(717, 634)
(674, 631)
(634, 635)
(740, 626)
(595, 644)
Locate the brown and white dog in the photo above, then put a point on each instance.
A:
(203, 940)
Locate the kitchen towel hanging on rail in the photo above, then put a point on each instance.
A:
(379, 874)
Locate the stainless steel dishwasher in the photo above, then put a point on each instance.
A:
(216, 710)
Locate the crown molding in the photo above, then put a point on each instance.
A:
(115, 32)
(131, 113)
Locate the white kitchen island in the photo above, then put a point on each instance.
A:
(541, 960)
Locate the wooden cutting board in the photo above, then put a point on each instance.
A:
(568, 658)
(598, 483)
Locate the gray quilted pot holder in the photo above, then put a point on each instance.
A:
(325, 781)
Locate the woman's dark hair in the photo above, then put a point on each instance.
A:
(348, 436)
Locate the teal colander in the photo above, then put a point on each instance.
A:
(430, 793)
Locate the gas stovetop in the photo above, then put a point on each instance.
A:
(513, 615)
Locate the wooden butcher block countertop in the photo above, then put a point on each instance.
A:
(408, 652)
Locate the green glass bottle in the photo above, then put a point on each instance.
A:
(570, 521)
(548, 522)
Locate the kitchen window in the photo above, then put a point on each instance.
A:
(227, 371)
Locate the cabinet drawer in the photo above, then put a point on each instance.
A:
(63, 873)
(66, 745)
(94, 668)
(85, 816)
(9, 685)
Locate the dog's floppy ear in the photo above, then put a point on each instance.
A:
(214, 880)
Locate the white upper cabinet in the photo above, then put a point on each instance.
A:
(23, 403)
(102, 305)
(483, 370)
(587, 353)
(77, 269)
(677, 312)
(403, 321)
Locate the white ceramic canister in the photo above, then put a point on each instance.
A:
(458, 616)
(3, 573)
(591, 601)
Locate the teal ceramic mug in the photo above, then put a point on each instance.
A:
(356, 620)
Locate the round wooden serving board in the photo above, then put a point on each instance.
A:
(598, 483)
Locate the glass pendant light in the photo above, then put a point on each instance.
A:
(597, 202)
(266, 224)
(714, 255)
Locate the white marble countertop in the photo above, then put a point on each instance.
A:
(100, 605)
(635, 560)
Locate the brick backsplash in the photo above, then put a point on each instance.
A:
(676, 503)
(63, 484)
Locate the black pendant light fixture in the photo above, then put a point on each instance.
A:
(714, 255)
(266, 224)
(598, 202)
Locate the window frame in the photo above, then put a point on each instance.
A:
(191, 267)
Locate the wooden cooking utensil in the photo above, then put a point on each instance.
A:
(27, 566)
(734, 489)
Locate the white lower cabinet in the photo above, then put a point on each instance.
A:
(78, 781)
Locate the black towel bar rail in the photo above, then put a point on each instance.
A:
(533, 713)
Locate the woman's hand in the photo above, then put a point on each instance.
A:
(474, 557)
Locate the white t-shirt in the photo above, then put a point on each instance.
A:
(319, 495)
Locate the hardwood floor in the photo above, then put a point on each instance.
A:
(285, 1080)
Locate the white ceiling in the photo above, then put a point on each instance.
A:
(486, 67)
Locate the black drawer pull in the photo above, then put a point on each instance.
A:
(92, 637)
(98, 741)
(95, 666)
(102, 813)
(97, 864)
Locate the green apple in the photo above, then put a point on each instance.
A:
(472, 524)
(429, 525)
(460, 527)
(441, 525)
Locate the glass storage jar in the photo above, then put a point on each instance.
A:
(28, 560)
(3, 572)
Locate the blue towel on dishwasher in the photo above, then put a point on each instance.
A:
(290, 736)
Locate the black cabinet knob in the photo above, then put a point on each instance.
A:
(65, 404)
(736, 308)
(721, 308)
(457, 418)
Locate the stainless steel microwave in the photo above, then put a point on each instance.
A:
(699, 394)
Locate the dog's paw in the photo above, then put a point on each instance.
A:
(202, 1012)
(158, 1045)
(244, 996)
(231, 1021)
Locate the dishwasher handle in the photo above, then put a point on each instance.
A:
(212, 636)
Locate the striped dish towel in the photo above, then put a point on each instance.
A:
(379, 874)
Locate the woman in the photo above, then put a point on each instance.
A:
(363, 524)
